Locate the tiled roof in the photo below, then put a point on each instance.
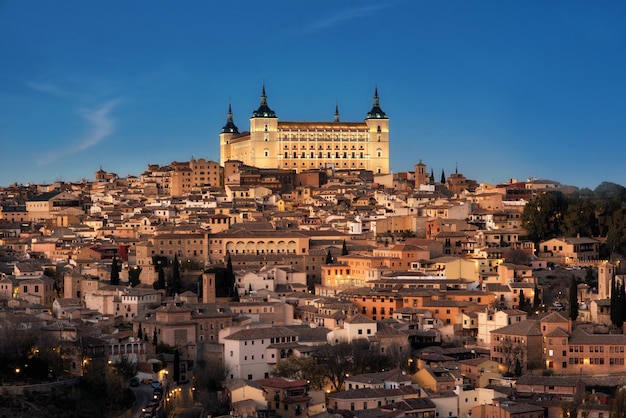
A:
(527, 327)
(257, 333)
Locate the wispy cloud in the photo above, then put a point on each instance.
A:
(101, 124)
(50, 88)
(343, 16)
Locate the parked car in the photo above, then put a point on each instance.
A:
(134, 382)
(156, 384)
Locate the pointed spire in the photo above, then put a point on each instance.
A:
(336, 112)
(264, 110)
(230, 127)
(376, 112)
(263, 96)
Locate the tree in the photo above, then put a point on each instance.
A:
(542, 217)
(133, 276)
(621, 301)
(511, 352)
(443, 177)
(573, 299)
(617, 304)
(115, 272)
(303, 368)
(329, 257)
(518, 368)
(522, 301)
(125, 368)
(619, 407)
(160, 283)
(337, 360)
(344, 248)
(176, 366)
(140, 333)
(176, 283)
(536, 299)
(517, 256)
(230, 278)
(154, 337)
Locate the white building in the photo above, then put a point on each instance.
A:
(490, 320)
(252, 353)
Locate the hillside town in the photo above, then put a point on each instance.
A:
(299, 276)
(324, 292)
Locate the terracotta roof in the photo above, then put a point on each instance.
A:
(281, 382)
(256, 333)
(527, 327)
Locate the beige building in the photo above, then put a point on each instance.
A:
(303, 146)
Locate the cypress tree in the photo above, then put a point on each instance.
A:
(230, 278)
(115, 272)
(443, 177)
(329, 258)
(621, 300)
(522, 300)
(133, 276)
(176, 281)
(344, 248)
(536, 299)
(139, 333)
(160, 283)
(176, 366)
(573, 299)
(154, 337)
(613, 305)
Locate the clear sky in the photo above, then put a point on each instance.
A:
(501, 89)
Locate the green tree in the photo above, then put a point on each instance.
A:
(230, 279)
(329, 257)
(443, 177)
(621, 303)
(115, 272)
(613, 302)
(176, 284)
(573, 299)
(542, 217)
(616, 232)
(619, 406)
(536, 299)
(125, 368)
(303, 368)
(522, 301)
(133, 276)
(176, 366)
(160, 283)
(344, 248)
(154, 337)
(140, 332)
(580, 219)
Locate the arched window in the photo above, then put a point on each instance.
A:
(266, 152)
(379, 152)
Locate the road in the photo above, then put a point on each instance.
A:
(187, 412)
(143, 395)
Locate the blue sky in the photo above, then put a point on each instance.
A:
(501, 89)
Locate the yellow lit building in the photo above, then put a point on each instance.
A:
(303, 146)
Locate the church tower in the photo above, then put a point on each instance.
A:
(263, 136)
(421, 176)
(378, 125)
(228, 132)
(606, 271)
(208, 288)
